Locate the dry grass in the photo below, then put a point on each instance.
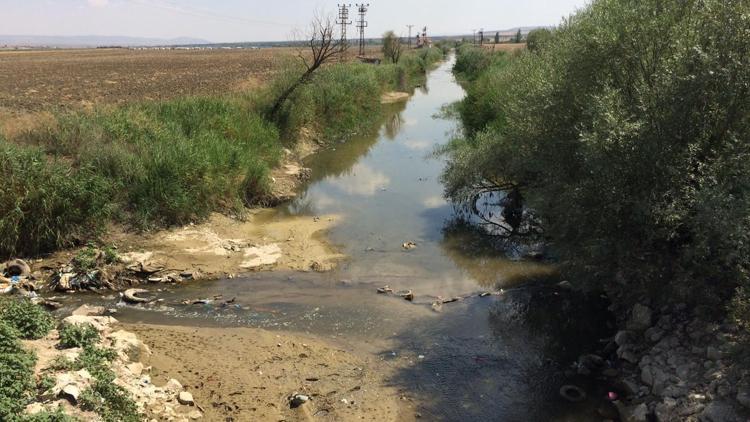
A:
(507, 47)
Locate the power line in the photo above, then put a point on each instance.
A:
(344, 21)
(362, 24)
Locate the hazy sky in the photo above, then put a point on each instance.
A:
(261, 20)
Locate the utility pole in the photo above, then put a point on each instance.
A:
(362, 24)
(344, 21)
(410, 27)
(474, 38)
(481, 36)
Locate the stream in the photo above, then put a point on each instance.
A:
(500, 357)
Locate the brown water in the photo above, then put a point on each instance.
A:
(494, 358)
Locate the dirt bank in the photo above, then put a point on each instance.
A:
(244, 374)
(223, 246)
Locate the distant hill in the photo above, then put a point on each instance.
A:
(92, 41)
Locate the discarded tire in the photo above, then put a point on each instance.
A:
(572, 393)
(131, 296)
(17, 267)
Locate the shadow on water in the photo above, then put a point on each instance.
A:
(503, 358)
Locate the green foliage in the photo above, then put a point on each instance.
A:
(45, 203)
(30, 320)
(628, 133)
(78, 335)
(538, 38)
(171, 162)
(109, 400)
(45, 416)
(519, 37)
(16, 373)
(392, 47)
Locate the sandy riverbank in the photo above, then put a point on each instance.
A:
(244, 374)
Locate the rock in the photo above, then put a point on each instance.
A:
(437, 306)
(409, 245)
(185, 398)
(632, 413)
(384, 290)
(407, 295)
(654, 334)
(86, 310)
(664, 411)
(135, 368)
(626, 353)
(129, 346)
(298, 400)
(71, 392)
(195, 414)
(173, 386)
(629, 386)
(713, 353)
(34, 408)
(647, 375)
(640, 318)
(743, 395)
(624, 337)
(101, 323)
(720, 411)
(261, 256)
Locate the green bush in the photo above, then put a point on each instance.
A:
(30, 320)
(109, 400)
(45, 203)
(78, 335)
(45, 416)
(628, 134)
(16, 373)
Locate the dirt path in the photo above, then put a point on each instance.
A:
(243, 374)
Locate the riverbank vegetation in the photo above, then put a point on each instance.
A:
(626, 130)
(157, 164)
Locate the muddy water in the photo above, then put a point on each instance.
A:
(492, 358)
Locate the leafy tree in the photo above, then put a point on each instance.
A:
(628, 135)
(392, 47)
(519, 37)
(497, 38)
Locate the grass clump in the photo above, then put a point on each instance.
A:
(78, 335)
(16, 373)
(28, 319)
(45, 203)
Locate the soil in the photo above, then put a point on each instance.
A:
(225, 247)
(243, 374)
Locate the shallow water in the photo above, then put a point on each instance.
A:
(492, 358)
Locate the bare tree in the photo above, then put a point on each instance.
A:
(324, 48)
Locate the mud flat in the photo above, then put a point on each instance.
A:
(251, 374)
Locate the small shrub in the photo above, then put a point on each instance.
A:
(31, 321)
(16, 373)
(110, 401)
(46, 416)
(78, 335)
